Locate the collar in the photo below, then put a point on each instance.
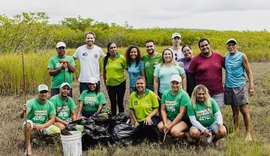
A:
(146, 93)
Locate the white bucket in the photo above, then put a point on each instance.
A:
(72, 144)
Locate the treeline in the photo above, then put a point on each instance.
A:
(32, 32)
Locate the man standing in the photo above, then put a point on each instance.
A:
(151, 59)
(176, 47)
(206, 68)
(89, 55)
(40, 117)
(236, 64)
(61, 67)
(65, 107)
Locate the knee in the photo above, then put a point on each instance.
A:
(177, 133)
(194, 133)
(160, 127)
(60, 125)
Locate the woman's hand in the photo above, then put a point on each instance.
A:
(148, 121)
(167, 128)
(206, 133)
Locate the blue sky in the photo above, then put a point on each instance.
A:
(195, 14)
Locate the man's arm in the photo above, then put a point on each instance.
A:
(249, 75)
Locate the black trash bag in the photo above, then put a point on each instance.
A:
(123, 134)
(120, 118)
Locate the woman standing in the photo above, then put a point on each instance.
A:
(143, 109)
(135, 65)
(205, 116)
(91, 100)
(173, 109)
(114, 77)
(164, 71)
(187, 52)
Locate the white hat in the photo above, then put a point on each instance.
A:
(60, 44)
(42, 87)
(176, 78)
(93, 80)
(231, 40)
(65, 84)
(176, 35)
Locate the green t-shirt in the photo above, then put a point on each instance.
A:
(115, 70)
(63, 107)
(149, 67)
(143, 106)
(174, 102)
(202, 115)
(58, 79)
(39, 113)
(91, 100)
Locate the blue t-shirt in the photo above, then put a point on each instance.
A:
(134, 71)
(164, 73)
(235, 71)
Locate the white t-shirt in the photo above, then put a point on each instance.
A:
(177, 54)
(89, 62)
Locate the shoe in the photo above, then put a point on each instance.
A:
(248, 138)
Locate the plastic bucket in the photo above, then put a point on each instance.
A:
(72, 144)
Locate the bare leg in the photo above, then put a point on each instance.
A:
(27, 134)
(177, 130)
(236, 110)
(246, 116)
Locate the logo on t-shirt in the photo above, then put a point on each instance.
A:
(85, 54)
(95, 56)
(135, 103)
(147, 64)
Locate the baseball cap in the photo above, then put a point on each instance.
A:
(176, 35)
(231, 40)
(93, 80)
(42, 87)
(60, 44)
(176, 78)
(65, 84)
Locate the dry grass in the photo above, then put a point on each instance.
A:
(12, 137)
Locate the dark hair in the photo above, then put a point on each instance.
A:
(107, 54)
(138, 58)
(150, 40)
(185, 47)
(96, 90)
(139, 78)
(90, 32)
(201, 40)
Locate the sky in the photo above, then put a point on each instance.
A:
(241, 15)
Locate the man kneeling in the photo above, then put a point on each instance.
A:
(65, 106)
(40, 117)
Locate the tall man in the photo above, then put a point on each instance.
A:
(65, 106)
(151, 59)
(40, 117)
(61, 67)
(236, 64)
(206, 68)
(176, 47)
(89, 55)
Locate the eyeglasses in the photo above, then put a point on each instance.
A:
(62, 48)
(175, 38)
(43, 92)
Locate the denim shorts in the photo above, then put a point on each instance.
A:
(211, 128)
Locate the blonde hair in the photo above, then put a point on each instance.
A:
(198, 88)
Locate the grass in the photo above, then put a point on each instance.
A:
(12, 137)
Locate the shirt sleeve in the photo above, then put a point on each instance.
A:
(102, 99)
(52, 110)
(101, 53)
(141, 65)
(131, 100)
(81, 96)
(154, 100)
(192, 65)
(180, 70)
(196, 123)
(50, 64)
(76, 55)
(156, 71)
(163, 98)
(72, 62)
(72, 103)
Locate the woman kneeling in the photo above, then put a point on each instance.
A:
(205, 116)
(173, 109)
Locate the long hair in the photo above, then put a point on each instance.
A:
(198, 88)
(163, 60)
(139, 78)
(138, 58)
(105, 61)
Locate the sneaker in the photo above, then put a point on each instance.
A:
(248, 138)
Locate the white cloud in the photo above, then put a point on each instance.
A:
(204, 14)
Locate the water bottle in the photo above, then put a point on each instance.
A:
(210, 137)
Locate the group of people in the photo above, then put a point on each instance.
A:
(172, 92)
